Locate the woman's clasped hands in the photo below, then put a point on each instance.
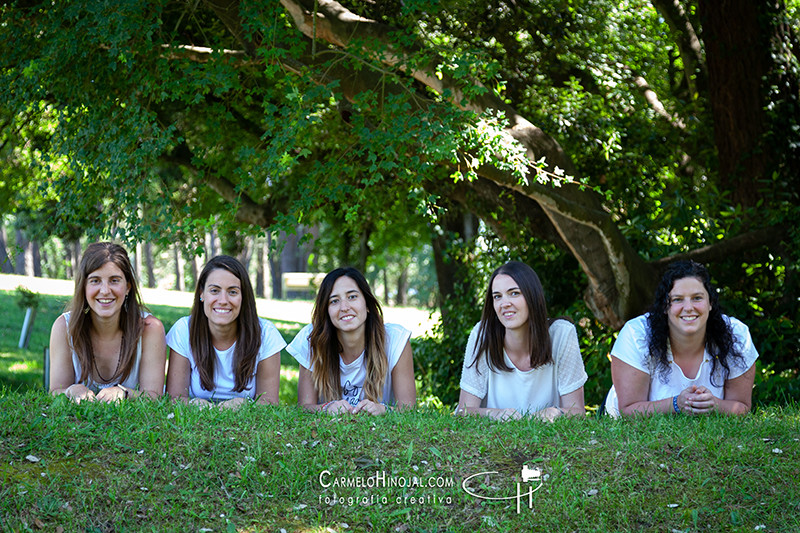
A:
(364, 406)
(694, 400)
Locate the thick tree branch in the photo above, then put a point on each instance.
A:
(248, 211)
(652, 99)
(615, 272)
(728, 247)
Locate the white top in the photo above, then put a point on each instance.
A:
(631, 348)
(532, 390)
(131, 382)
(224, 381)
(353, 375)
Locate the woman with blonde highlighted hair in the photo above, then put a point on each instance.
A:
(350, 361)
(106, 347)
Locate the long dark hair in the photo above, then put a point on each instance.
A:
(492, 334)
(130, 319)
(719, 341)
(325, 346)
(248, 341)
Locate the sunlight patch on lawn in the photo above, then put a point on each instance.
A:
(290, 373)
(20, 367)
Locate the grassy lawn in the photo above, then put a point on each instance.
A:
(157, 466)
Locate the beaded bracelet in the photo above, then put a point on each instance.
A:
(388, 407)
(675, 404)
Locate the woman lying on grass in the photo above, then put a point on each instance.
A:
(224, 353)
(350, 361)
(684, 356)
(106, 347)
(518, 362)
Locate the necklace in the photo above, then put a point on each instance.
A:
(119, 362)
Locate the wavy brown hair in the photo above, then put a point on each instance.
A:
(131, 322)
(492, 334)
(325, 346)
(248, 327)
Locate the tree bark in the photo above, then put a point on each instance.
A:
(6, 265)
(36, 259)
(177, 256)
(262, 266)
(737, 54)
(148, 259)
(402, 287)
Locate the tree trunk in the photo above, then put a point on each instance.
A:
(19, 258)
(148, 257)
(212, 245)
(137, 262)
(737, 36)
(402, 287)
(276, 270)
(6, 265)
(36, 259)
(179, 267)
(76, 257)
(458, 231)
(194, 270)
(246, 253)
(364, 250)
(386, 286)
(261, 269)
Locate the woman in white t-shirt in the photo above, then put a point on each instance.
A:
(517, 362)
(350, 361)
(106, 347)
(224, 353)
(684, 356)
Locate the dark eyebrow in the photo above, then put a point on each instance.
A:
(221, 288)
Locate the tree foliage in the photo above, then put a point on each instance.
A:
(619, 132)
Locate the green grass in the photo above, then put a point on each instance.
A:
(157, 466)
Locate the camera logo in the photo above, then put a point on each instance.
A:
(529, 475)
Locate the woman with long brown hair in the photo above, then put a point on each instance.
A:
(350, 361)
(224, 353)
(518, 361)
(106, 347)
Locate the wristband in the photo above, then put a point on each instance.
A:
(675, 404)
(124, 390)
(388, 407)
(325, 406)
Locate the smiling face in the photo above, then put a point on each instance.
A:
(106, 289)
(222, 298)
(347, 307)
(509, 302)
(688, 309)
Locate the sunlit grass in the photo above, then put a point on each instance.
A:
(160, 466)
